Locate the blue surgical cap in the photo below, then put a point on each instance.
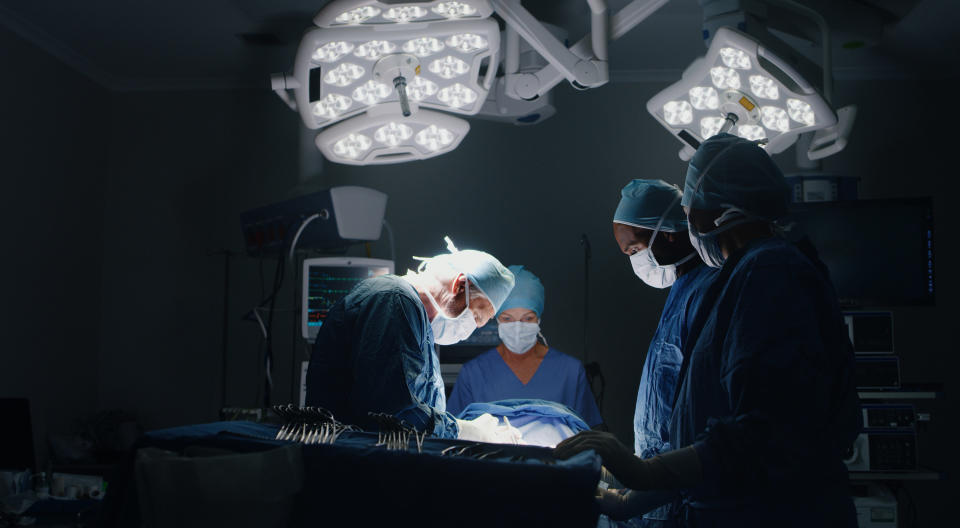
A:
(527, 292)
(739, 174)
(643, 202)
(484, 271)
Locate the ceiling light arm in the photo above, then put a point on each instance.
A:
(587, 72)
(825, 43)
(615, 27)
(280, 83)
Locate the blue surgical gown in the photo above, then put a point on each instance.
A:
(559, 378)
(375, 353)
(767, 396)
(651, 419)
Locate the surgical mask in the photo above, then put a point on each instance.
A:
(519, 337)
(451, 330)
(708, 244)
(645, 265)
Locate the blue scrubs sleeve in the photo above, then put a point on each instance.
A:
(462, 394)
(396, 368)
(777, 367)
(585, 404)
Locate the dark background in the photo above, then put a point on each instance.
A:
(116, 193)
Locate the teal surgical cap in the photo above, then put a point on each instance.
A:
(484, 271)
(643, 202)
(527, 292)
(739, 174)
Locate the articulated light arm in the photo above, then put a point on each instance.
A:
(592, 49)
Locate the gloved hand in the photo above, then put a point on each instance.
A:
(487, 428)
(623, 504)
(671, 470)
(613, 503)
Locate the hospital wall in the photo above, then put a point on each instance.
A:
(53, 135)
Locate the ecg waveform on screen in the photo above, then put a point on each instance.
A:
(327, 286)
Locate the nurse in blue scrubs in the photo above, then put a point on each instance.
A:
(523, 367)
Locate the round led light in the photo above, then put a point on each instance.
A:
(331, 106)
(751, 132)
(764, 87)
(392, 134)
(454, 9)
(678, 113)
(374, 49)
(344, 74)
(467, 42)
(775, 118)
(725, 78)
(801, 112)
(434, 138)
(419, 88)
(371, 92)
(704, 98)
(421, 47)
(735, 58)
(358, 15)
(352, 146)
(709, 126)
(449, 67)
(332, 51)
(457, 96)
(405, 13)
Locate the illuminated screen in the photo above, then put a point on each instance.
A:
(328, 284)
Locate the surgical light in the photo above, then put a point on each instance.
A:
(678, 112)
(751, 132)
(454, 9)
(393, 133)
(374, 49)
(332, 51)
(762, 94)
(344, 74)
(434, 138)
(405, 13)
(775, 118)
(358, 15)
(420, 88)
(457, 95)
(449, 67)
(725, 78)
(423, 47)
(764, 87)
(467, 42)
(704, 98)
(331, 106)
(352, 146)
(371, 93)
(383, 135)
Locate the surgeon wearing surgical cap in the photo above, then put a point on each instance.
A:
(650, 227)
(375, 351)
(766, 406)
(523, 367)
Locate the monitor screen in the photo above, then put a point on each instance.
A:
(879, 252)
(327, 280)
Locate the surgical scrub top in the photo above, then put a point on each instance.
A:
(767, 394)
(375, 353)
(559, 378)
(658, 383)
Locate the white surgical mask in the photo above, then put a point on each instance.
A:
(452, 330)
(519, 337)
(645, 265)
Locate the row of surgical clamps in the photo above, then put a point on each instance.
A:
(316, 425)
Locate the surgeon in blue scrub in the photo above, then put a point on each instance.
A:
(521, 367)
(766, 405)
(650, 227)
(374, 352)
